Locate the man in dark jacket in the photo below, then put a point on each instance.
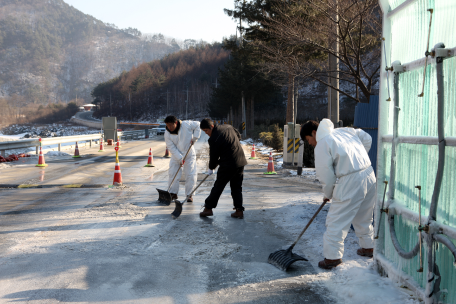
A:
(226, 152)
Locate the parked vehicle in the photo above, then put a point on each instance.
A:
(161, 129)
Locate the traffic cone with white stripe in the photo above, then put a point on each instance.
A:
(166, 153)
(253, 156)
(76, 151)
(270, 165)
(117, 174)
(150, 161)
(101, 146)
(41, 162)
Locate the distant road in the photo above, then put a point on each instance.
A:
(86, 119)
(86, 116)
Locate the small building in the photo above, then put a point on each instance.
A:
(88, 107)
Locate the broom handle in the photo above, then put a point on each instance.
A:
(204, 179)
(179, 167)
(310, 222)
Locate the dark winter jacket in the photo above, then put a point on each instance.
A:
(225, 148)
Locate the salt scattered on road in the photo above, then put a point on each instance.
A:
(57, 153)
(355, 281)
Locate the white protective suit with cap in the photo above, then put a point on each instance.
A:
(178, 145)
(344, 169)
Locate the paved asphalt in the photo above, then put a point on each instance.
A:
(118, 245)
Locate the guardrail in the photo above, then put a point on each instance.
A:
(34, 142)
(137, 134)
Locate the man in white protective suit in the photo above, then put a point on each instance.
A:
(344, 169)
(179, 137)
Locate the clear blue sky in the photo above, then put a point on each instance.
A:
(181, 19)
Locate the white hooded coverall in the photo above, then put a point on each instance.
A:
(344, 169)
(178, 145)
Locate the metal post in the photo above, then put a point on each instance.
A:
(59, 147)
(419, 228)
(295, 113)
(395, 139)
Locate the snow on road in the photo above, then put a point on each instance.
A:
(355, 281)
(119, 245)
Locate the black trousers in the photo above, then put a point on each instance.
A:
(224, 175)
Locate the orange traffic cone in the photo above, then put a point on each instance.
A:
(101, 146)
(166, 153)
(41, 162)
(117, 175)
(270, 165)
(150, 161)
(76, 151)
(253, 156)
(118, 143)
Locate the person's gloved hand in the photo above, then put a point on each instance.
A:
(193, 140)
(210, 172)
(326, 199)
(182, 162)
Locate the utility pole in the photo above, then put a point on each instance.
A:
(333, 94)
(110, 106)
(244, 132)
(167, 101)
(186, 108)
(130, 105)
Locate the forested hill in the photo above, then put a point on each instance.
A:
(159, 88)
(50, 51)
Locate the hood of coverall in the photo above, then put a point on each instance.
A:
(325, 128)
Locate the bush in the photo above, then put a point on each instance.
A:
(273, 139)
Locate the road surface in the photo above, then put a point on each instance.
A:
(118, 245)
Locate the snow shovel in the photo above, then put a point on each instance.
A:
(282, 259)
(164, 197)
(178, 210)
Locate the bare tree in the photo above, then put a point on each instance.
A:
(303, 30)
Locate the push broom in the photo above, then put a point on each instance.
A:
(282, 259)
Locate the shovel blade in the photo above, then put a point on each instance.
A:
(178, 210)
(164, 197)
(282, 259)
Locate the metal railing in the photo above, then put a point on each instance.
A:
(34, 142)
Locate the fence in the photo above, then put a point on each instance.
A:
(34, 142)
(416, 148)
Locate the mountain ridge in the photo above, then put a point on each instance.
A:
(51, 51)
